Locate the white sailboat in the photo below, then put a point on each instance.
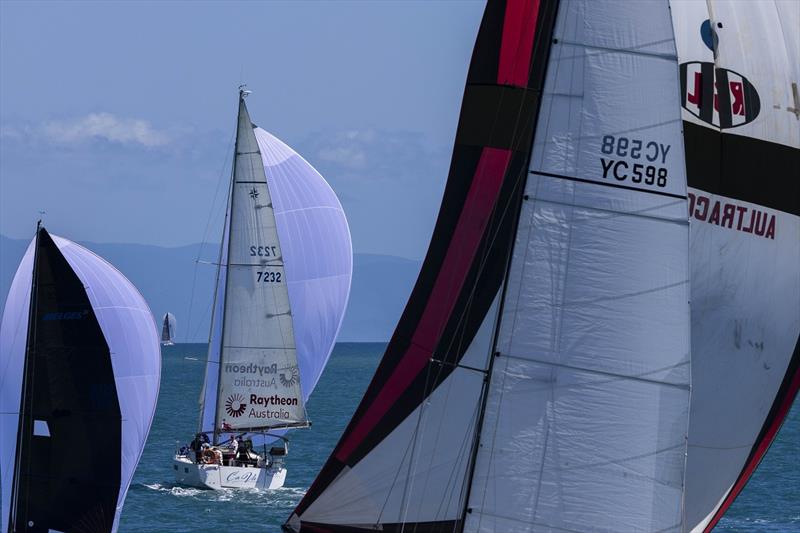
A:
(285, 240)
(168, 330)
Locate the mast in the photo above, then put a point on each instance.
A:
(225, 226)
(26, 398)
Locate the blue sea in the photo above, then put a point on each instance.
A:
(770, 502)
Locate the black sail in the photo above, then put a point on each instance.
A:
(68, 468)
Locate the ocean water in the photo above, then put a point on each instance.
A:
(770, 502)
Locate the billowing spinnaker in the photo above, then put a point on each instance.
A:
(740, 70)
(259, 385)
(129, 332)
(317, 252)
(587, 411)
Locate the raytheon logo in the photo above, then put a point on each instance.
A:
(235, 405)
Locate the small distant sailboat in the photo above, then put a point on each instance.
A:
(168, 330)
(283, 281)
(80, 375)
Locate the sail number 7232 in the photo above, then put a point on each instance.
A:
(268, 277)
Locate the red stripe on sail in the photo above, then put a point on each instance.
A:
(461, 251)
(516, 47)
(760, 450)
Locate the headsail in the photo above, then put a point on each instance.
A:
(562, 326)
(96, 406)
(740, 70)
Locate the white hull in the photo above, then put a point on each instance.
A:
(167, 343)
(218, 477)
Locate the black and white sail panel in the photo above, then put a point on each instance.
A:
(587, 413)
(740, 70)
(86, 389)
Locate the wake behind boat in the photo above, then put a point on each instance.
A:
(265, 354)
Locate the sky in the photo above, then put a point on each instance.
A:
(116, 119)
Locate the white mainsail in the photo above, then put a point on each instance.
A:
(258, 377)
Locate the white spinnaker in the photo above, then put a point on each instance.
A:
(315, 242)
(418, 472)
(587, 413)
(745, 288)
(259, 385)
(13, 339)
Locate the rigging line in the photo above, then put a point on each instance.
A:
(457, 365)
(598, 372)
(408, 486)
(205, 235)
(632, 51)
(462, 455)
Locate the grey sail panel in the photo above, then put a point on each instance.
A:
(586, 416)
(258, 387)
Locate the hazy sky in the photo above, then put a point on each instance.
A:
(116, 118)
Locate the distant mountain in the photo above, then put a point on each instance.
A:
(167, 277)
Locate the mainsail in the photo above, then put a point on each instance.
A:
(740, 69)
(168, 328)
(78, 388)
(299, 240)
(258, 346)
(539, 375)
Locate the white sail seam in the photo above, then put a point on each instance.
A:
(605, 372)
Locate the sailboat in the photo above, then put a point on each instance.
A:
(283, 281)
(168, 330)
(544, 371)
(80, 375)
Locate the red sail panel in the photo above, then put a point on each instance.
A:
(516, 47)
